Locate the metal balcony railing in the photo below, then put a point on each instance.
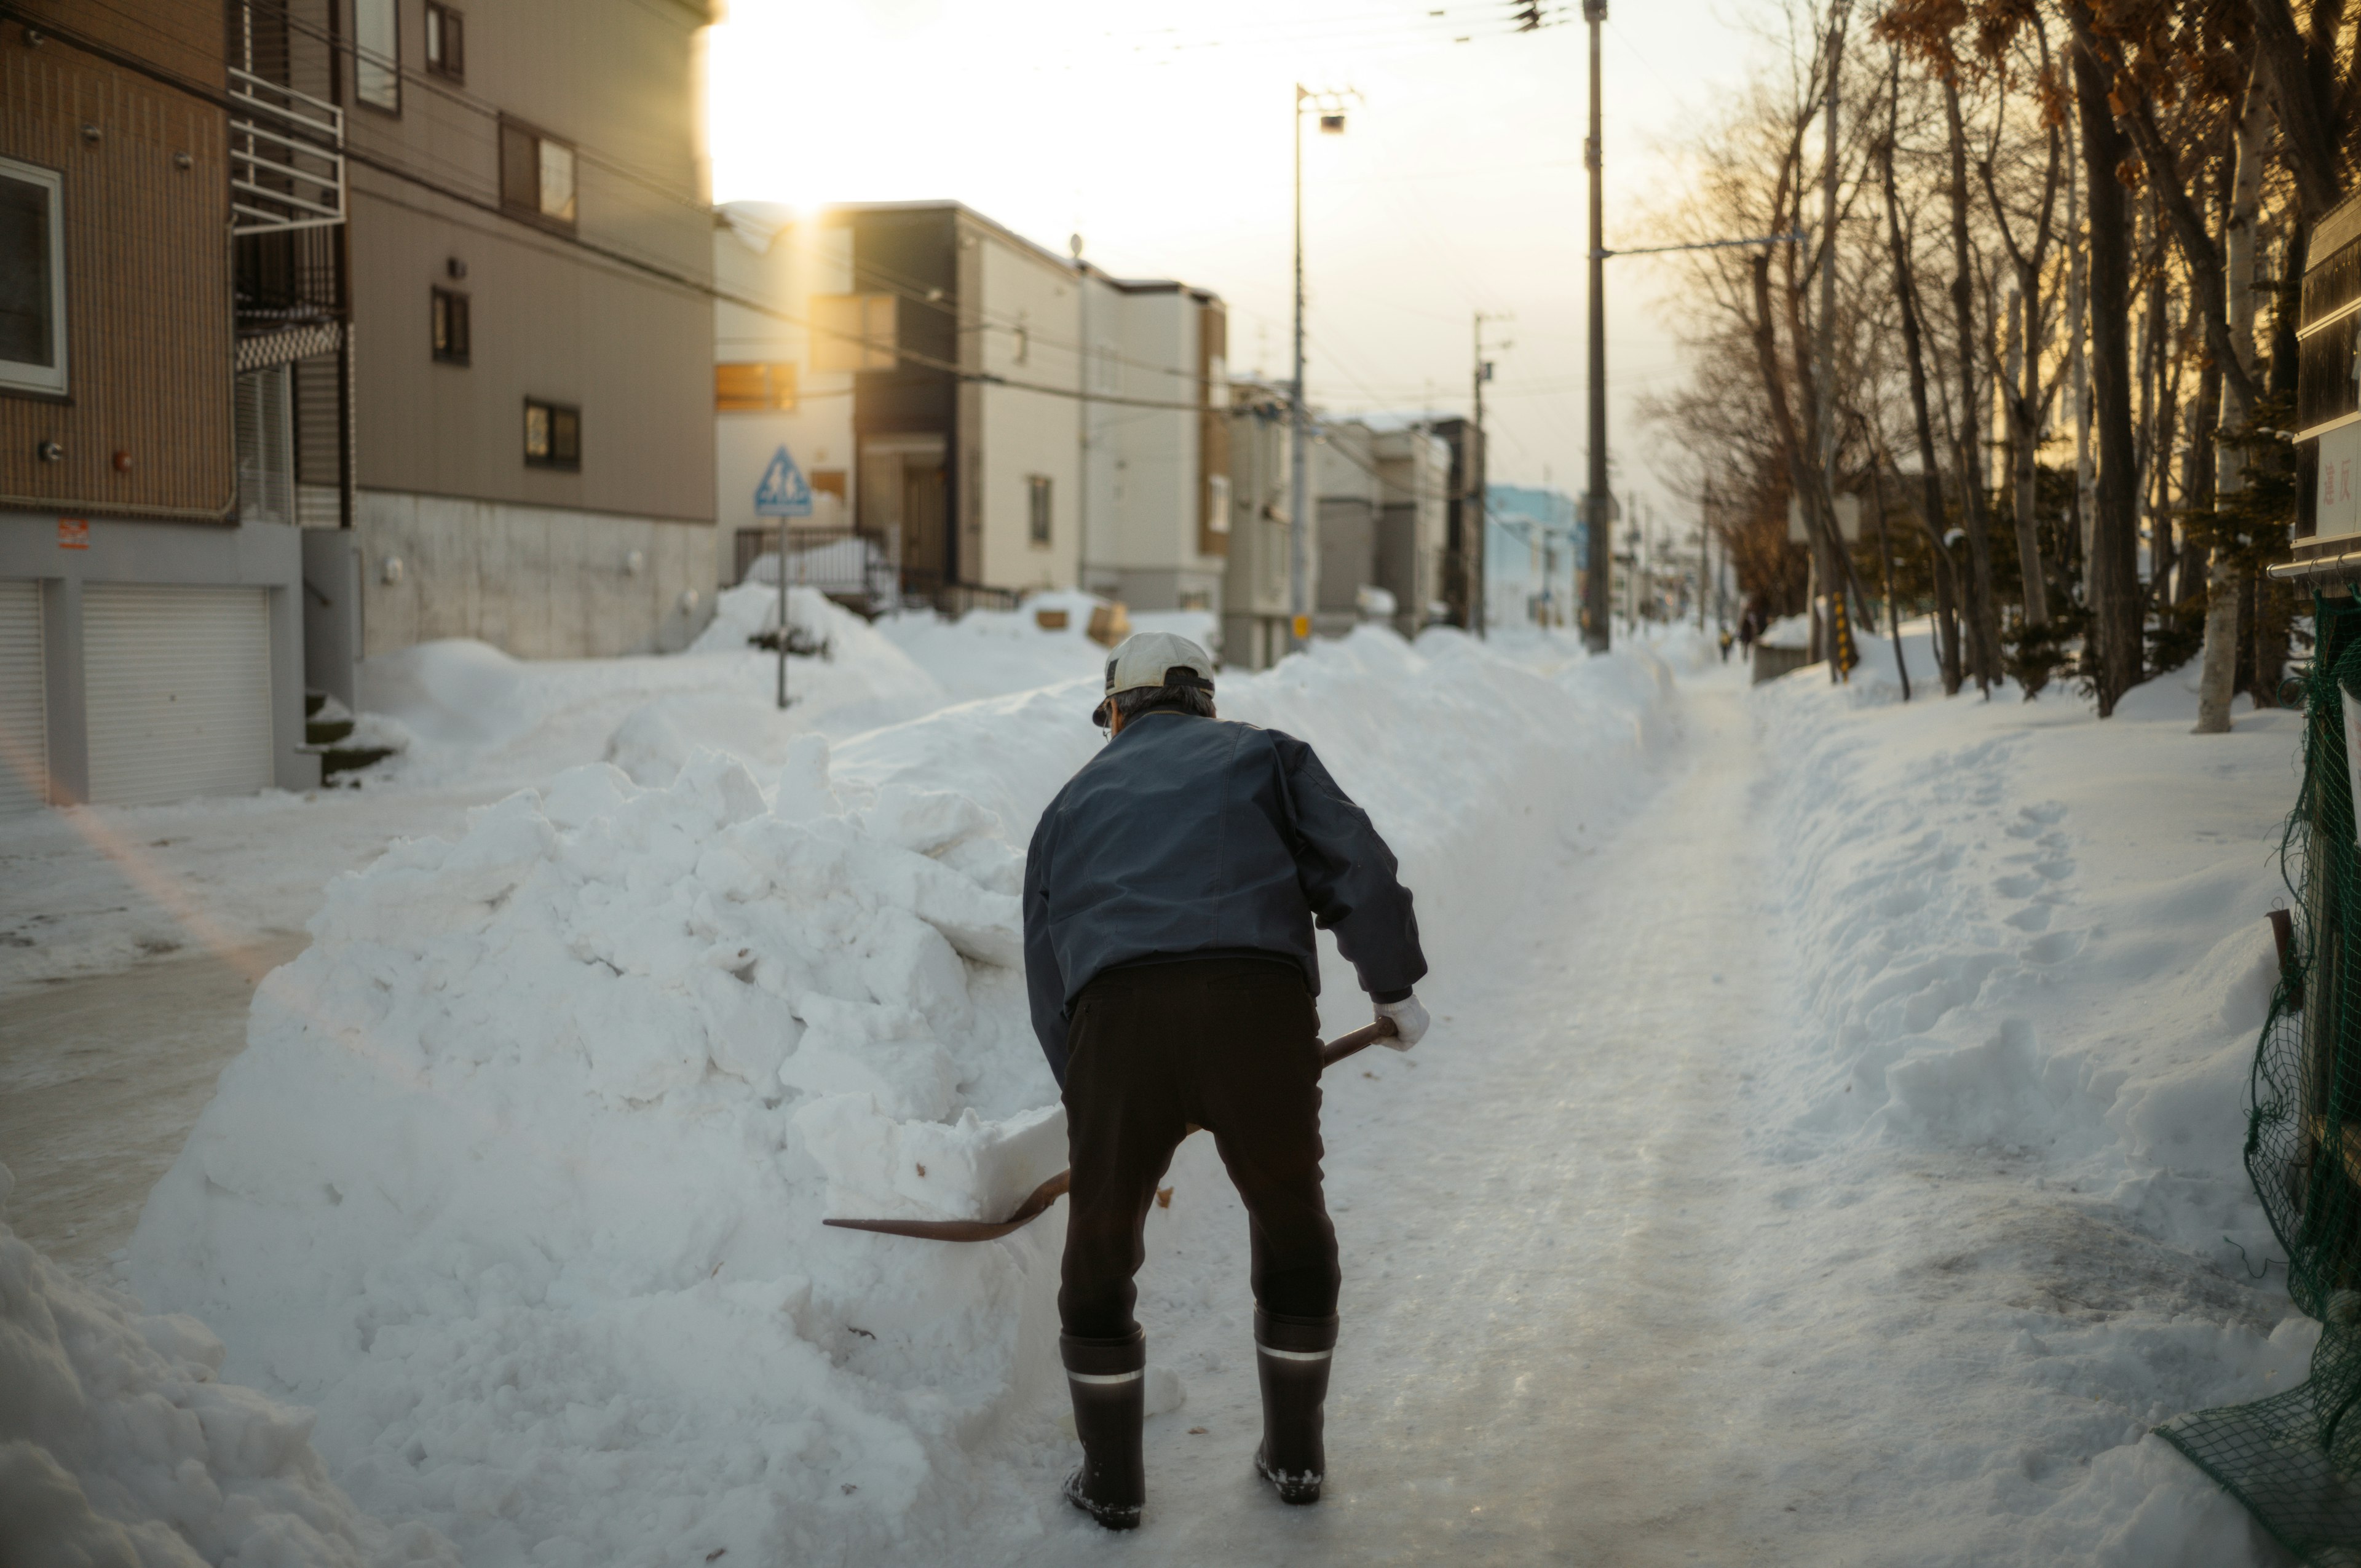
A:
(286, 158)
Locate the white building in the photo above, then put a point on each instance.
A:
(1254, 585)
(920, 370)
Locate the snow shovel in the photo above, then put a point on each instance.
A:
(1049, 1191)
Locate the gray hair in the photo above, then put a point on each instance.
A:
(1193, 700)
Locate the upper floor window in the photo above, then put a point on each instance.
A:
(536, 174)
(377, 54)
(552, 434)
(32, 279)
(446, 41)
(1036, 519)
(748, 388)
(450, 327)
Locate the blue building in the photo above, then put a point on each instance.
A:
(1533, 549)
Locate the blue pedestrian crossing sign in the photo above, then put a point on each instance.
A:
(783, 492)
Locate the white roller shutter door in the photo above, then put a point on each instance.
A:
(24, 701)
(178, 684)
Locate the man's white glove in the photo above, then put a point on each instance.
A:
(1410, 1022)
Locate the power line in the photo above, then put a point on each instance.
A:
(606, 253)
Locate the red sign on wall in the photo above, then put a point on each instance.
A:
(74, 533)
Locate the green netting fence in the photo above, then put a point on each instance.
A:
(2294, 1459)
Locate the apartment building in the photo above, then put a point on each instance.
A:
(1413, 521)
(1155, 441)
(1533, 559)
(529, 258)
(1464, 526)
(919, 370)
(151, 577)
(1256, 606)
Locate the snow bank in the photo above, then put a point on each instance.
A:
(861, 680)
(520, 1176)
(120, 1446)
(2033, 962)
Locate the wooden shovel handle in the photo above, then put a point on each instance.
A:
(1038, 1202)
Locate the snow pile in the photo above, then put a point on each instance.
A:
(119, 1445)
(455, 692)
(520, 1178)
(2034, 964)
(986, 652)
(860, 681)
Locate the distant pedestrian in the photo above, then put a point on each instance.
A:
(1170, 893)
(1753, 622)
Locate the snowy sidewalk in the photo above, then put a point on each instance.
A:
(1533, 1210)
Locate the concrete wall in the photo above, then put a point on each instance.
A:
(537, 582)
(253, 555)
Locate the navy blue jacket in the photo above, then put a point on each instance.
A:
(1191, 835)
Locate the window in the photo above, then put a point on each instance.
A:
(552, 434)
(1023, 344)
(450, 327)
(377, 54)
(853, 332)
(32, 279)
(536, 175)
(827, 482)
(752, 388)
(1038, 509)
(446, 42)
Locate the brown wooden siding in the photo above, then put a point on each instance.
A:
(147, 284)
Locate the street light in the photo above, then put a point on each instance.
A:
(1330, 107)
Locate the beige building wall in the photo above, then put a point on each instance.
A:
(452, 515)
(1150, 459)
(1023, 327)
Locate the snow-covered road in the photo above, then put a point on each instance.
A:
(1532, 1209)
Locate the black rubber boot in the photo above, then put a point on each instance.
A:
(1108, 1380)
(1291, 1356)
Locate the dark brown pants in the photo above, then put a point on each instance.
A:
(1232, 1045)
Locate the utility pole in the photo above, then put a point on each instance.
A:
(1083, 407)
(1299, 478)
(1478, 505)
(1330, 107)
(1704, 550)
(1840, 654)
(1597, 505)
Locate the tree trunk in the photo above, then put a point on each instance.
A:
(2077, 368)
(2025, 445)
(1885, 566)
(2114, 571)
(1930, 504)
(2307, 128)
(1983, 619)
(2217, 674)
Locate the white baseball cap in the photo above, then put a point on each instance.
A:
(1153, 659)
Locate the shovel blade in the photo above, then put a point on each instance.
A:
(1049, 1191)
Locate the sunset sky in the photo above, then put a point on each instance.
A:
(1159, 130)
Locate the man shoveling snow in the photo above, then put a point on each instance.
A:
(1170, 892)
